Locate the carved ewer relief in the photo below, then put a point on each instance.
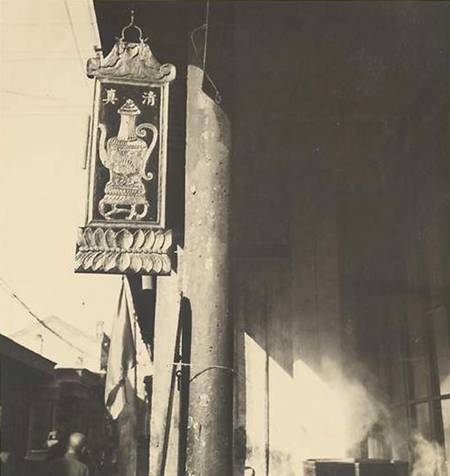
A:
(126, 157)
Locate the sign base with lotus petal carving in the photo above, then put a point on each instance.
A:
(123, 251)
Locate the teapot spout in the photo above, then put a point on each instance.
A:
(102, 145)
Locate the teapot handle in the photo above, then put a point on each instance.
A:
(141, 132)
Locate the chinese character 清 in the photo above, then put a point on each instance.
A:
(149, 98)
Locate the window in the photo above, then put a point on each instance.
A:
(421, 375)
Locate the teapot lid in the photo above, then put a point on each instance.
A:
(129, 108)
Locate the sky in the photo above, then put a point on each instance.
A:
(45, 102)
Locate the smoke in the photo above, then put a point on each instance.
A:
(367, 416)
(362, 405)
(363, 412)
(357, 420)
(428, 457)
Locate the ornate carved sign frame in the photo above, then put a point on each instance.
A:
(127, 150)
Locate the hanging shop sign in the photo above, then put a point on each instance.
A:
(125, 230)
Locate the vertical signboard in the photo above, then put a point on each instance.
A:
(125, 230)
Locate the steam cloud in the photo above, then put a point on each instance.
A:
(428, 457)
(362, 405)
(366, 409)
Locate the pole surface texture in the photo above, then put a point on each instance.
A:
(206, 284)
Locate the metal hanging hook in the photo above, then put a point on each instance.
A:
(131, 25)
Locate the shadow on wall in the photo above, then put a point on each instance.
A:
(322, 415)
(290, 419)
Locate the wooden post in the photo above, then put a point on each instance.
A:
(127, 457)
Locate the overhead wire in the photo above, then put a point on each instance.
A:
(94, 23)
(4, 285)
(74, 36)
(205, 27)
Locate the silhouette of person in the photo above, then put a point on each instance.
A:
(55, 446)
(70, 464)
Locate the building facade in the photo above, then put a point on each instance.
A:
(36, 399)
(307, 189)
(77, 349)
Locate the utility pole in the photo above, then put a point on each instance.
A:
(206, 283)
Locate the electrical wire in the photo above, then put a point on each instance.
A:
(205, 27)
(4, 285)
(94, 23)
(74, 36)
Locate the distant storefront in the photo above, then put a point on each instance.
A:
(36, 399)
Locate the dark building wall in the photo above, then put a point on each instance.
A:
(22, 371)
(340, 219)
(17, 384)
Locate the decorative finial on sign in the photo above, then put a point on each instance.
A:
(130, 58)
(131, 25)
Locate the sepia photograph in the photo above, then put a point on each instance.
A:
(224, 238)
